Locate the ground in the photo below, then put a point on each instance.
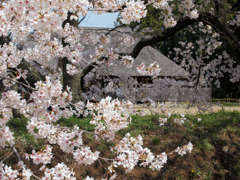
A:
(183, 108)
(216, 153)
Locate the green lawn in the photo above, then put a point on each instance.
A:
(230, 104)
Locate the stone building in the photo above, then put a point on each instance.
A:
(171, 84)
(131, 83)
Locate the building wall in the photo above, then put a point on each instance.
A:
(171, 94)
(178, 95)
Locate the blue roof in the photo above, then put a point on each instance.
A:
(105, 20)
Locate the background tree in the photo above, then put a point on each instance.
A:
(222, 17)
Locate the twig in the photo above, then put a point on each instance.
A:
(35, 176)
(19, 83)
(101, 164)
(19, 159)
(18, 156)
(7, 157)
(106, 159)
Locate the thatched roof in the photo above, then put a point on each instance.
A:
(147, 55)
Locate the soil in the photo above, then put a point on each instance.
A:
(216, 163)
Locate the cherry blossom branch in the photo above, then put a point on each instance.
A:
(25, 85)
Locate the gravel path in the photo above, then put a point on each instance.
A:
(182, 108)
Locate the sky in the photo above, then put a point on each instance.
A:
(106, 20)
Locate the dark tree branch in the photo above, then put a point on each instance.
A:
(111, 30)
(217, 22)
(181, 24)
(81, 20)
(85, 71)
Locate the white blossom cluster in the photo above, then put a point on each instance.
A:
(134, 11)
(236, 20)
(71, 69)
(186, 148)
(45, 16)
(169, 22)
(138, 112)
(59, 172)
(130, 151)
(110, 117)
(166, 7)
(188, 7)
(6, 172)
(106, 55)
(181, 120)
(127, 61)
(6, 137)
(164, 4)
(110, 87)
(9, 100)
(44, 156)
(49, 94)
(40, 129)
(85, 155)
(149, 102)
(162, 121)
(203, 71)
(127, 40)
(152, 70)
(10, 57)
(109, 4)
(69, 140)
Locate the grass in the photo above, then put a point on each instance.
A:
(83, 123)
(18, 126)
(216, 140)
(229, 104)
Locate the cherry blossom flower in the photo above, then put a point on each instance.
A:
(44, 156)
